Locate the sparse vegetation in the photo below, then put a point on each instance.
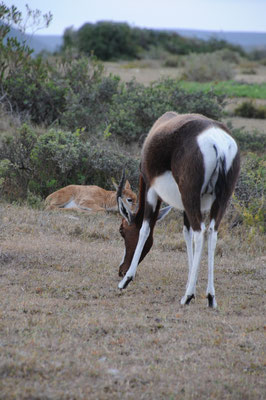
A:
(63, 318)
(250, 141)
(250, 192)
(207, 67)
(248, 109)
(65, 330)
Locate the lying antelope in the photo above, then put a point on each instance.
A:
(192, 163)
(89, 198)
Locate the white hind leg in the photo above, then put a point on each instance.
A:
(198, 238)
(188, 236)
(212, 240)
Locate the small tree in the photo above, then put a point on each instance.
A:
(14, 53)
(107, 40)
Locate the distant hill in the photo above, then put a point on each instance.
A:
(39, 43)
(248, 40)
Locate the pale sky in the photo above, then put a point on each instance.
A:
(215, 15)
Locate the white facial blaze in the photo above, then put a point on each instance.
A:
(143, 235)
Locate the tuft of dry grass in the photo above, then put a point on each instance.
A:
(67, 332)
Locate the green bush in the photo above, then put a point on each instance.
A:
(229, 55)
(207, 67)
(248, 109)
(250, 141)
(36, 91)
(173, 61)
(135, 107)
(15, 154)
(112, 41)
(32, 166)
(107, 40)
(61, 153)
(250, 191)
(89, 96)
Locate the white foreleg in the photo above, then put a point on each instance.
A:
(188, 235)
(198, 238)
(143, 236)
(212, 240)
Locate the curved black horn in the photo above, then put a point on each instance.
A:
(121, 185)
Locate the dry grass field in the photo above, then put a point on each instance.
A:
(67, 332)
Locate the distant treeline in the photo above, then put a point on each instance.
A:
(112, 41)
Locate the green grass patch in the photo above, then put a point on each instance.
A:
(227, 88)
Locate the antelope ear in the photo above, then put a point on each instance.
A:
(125, 211)
(163, 212)
(127, 185)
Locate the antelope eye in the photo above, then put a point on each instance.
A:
(129, 200)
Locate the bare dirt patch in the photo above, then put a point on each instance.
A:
(248, 124)
(67, 332)
(259, 75)
(144, 72)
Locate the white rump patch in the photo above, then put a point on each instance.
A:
(215, 144)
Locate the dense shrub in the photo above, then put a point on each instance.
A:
(36, 91)
(75, 94)
(248, 109)
(135, 107)
(16, 168)
(112, 40)
(250, 141)
(32, 165)
(173, 61)
(250, 191)
(89, 95)
(107, 40)
(25, 84)
(228, 55)
(207, 67)
(258, 54)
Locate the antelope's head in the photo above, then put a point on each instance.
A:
(131, 225)
(125, 191)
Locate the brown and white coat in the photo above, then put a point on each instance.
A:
(89, 198)
(192, 163)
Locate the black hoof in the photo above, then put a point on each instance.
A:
(129, 279)
(189, 298)
(210, 298)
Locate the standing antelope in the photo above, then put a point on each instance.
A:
(89, 198)
(192, 163)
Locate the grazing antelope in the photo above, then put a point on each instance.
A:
(192, 163)
(89, 198)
